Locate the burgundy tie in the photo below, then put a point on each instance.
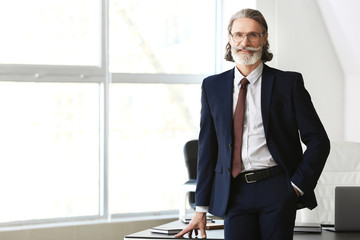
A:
(238, 128)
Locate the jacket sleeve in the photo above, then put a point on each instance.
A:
(207, 152)
(313, 135)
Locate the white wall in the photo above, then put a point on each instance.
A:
(342, 19)
(300, 42)
(352, 107)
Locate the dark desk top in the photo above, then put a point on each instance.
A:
(219, 234)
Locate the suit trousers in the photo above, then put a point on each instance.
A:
(264, 210)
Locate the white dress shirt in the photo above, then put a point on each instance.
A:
(254, 152)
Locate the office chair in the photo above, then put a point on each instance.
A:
(190, 154)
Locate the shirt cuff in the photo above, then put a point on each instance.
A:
(300, 191)
(201, 208)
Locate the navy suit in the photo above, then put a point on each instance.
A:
(288, 115)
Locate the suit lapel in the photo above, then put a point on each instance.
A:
(224, 91)
(266, 91)
(228, 98)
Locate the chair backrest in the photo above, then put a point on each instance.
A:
(342, 168)
(190, 154)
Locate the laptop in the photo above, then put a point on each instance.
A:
(347, 209)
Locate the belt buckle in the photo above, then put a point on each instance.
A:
(246, 177)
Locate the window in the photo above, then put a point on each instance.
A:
(56, 32)
(50, 150)
(95, 95)
(162, 36)
(51, 81)
(149, 125)
(162, 44)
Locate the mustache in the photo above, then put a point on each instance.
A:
(252, 49)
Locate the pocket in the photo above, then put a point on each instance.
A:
(293, 194)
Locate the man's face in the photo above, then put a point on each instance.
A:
(247, 51)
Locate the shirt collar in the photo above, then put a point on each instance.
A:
(252, 77)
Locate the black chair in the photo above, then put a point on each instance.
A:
(190, 154)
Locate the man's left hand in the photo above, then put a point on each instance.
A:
(297, 192)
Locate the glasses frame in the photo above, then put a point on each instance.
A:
(246, 35)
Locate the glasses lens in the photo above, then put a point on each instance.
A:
(238, 37)
(253, 36)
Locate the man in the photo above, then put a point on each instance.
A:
(257, 180)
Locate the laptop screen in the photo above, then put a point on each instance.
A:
(347, 208)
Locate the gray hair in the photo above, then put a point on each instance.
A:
(257, 16)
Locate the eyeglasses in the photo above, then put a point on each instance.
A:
(238, 37)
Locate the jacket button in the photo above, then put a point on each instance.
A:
(228, 170)
(229, 145)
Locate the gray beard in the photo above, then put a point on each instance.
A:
(246, 59)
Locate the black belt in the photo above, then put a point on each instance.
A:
(258, 175)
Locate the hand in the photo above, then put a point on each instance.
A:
(297, 192)
(197, 222)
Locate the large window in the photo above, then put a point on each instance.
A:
(97, 99)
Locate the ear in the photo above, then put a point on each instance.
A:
(265, 38)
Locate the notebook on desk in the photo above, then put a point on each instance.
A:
(347, 209)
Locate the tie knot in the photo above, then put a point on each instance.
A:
(244, 82)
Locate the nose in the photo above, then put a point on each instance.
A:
(245, 41)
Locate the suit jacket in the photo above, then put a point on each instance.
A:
(289, 118)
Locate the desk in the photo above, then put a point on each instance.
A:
(219, 234)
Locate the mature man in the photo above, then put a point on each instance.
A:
(251, 167)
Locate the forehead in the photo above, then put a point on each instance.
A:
(246, 25)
